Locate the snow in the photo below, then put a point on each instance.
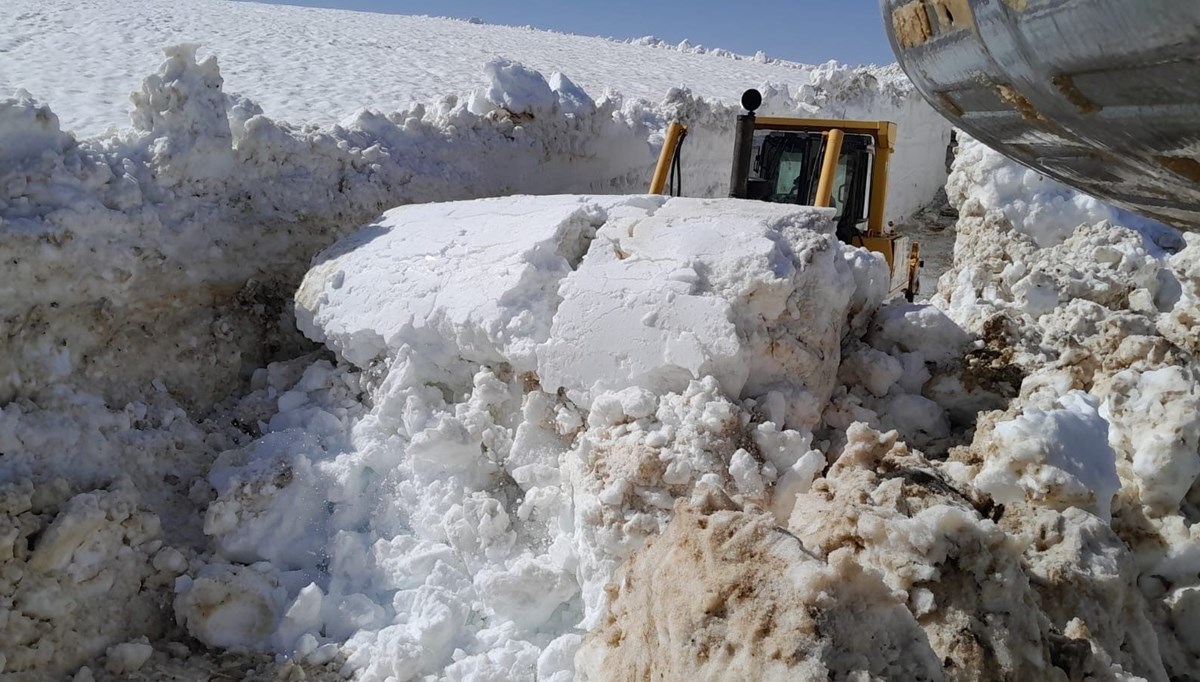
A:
(67, 561)
(704, 288)
(227, 606)
(295, 60)
(1036, 206)
(511, 417)
(428, 280)
(1156, 415)
(501, 499)
(128, 657)
(1061, 456)
(292, 64)
(709, 599)
(1089, 306)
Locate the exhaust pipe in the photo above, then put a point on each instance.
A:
(743, 144)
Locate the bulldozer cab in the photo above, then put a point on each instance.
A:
(831, 163)
(787, 169)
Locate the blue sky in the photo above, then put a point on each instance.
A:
(800, 30)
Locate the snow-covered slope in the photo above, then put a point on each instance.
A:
(307, 65)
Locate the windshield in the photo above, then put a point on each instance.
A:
(791, 165)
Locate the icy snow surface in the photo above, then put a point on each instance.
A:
(579, 436)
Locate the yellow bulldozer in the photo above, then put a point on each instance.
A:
(1100, 95)
(829, 163)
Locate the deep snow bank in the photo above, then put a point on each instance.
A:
(319, 66)
(1042, 209)
(1056, 541)
(470, 519)
(387, 63)
(208, 205)
(499, 508)
(548, 409)
(151, 272)
(443, 508)
(1097, 457)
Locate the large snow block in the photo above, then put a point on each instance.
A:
(466, 280)
(596, 294)
(753, 294)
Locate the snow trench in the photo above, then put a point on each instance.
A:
(206, 205)
(577, 435)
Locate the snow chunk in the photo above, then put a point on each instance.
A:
(873, 369)
(269, 500)
(572, 99)
(518, 89)
(1060, 458)
(752, 591)
(64, 561)
(29, 129)
(753, 294)
(888, 512)
(1155, 418)
(557, 662)
(872, 283)
(919, 417)
(415, 278)
(915, 327)
(1037, 206)
(128, 657)
(183, 110)
(230, 606)
(673, 290)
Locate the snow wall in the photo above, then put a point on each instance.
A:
(150, 271)
(111, 237)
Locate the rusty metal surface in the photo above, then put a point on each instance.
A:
(1102, 95)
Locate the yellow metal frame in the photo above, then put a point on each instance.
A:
(883, 133)
(675, 133)
(914, 269)
(833, 152)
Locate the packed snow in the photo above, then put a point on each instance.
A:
(269, 412)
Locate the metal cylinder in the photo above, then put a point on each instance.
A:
(674, 135)
(743, 146)
(833, 151)
(1102, 95)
